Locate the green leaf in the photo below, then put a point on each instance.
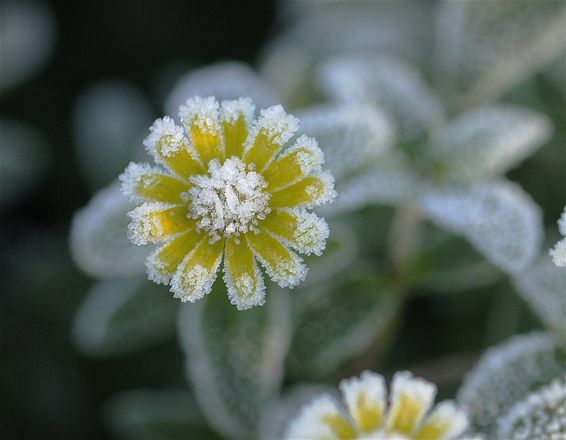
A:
(506, 374)
(498, 218)
(543, 287)
(542, 415)
(98, 239)
(122, 316)
(336, 321)
(235, 358)
(447, 264)
(486, 48)
(156, 415)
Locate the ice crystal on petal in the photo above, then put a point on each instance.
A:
(366, 414)
(226, 184)
(229, 199)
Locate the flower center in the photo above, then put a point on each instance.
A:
(229, 199)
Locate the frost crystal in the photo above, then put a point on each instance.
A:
(230, 199)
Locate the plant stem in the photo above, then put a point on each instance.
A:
(404, 238)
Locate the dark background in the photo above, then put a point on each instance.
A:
(47, 389)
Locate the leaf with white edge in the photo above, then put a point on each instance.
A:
(336, 321)
(388, 181)
(506, 374)
(119, 317)
(498, 218)
(156, 415)
(350, 136)
(224, 80)
(487, 141)
(543, 287)
(448, 264)
(28, 34)
(110, 122)
(235, 358)
(22, 159)
(391, 85)
(542, 415)
(281, 412)
(486, 48)
(342, 249)
(98, 239)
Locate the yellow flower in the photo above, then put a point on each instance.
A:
(365, 414)
(222, 190)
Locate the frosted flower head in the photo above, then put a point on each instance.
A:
(223, 189)
(365, 413)
(558, 252)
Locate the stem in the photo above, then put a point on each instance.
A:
(404, 238)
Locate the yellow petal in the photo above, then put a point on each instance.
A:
(273, 128)
(164, 261)
(308, 192)
(142, 182)
(410, 400)
(242, 276)
(301, 230)
(283, 266)
(195, 276)
(200, 119)
(445, 422)
(295, 163)
(236, 116)
(155, 221)
(170, 148)
(365, 399)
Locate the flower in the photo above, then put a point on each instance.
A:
(365, 414)
(558, 252)
(222, 190)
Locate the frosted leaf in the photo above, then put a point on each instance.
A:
(391, 85)
(341, 27)
(543, 287)
(28, 34)
(155, 415)
(499, 219)
(98, 240)
(341, 250)
(387, 181)
(22, 159)
(542, 415)
(335, 321)
(558, 252)
(487, 141)
(123, 316)
(280, 412)
(110, 121)
(506, 373)
(224, 80)
(235, 358)
(486, 48)
(350, 136)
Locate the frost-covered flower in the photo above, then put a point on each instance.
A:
(223, 189)
(366, 415)
(558, 252)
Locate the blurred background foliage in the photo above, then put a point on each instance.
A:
(80, 84)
